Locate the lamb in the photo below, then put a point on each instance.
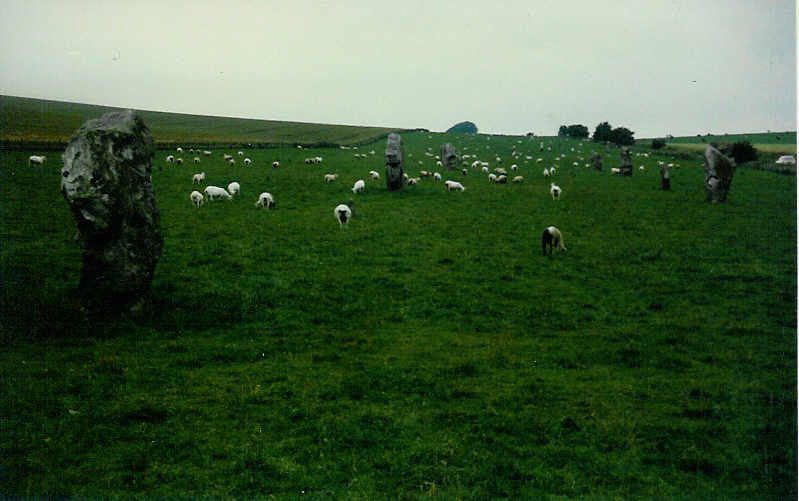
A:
(555, 191)
(518, 179)
(214, 192)
(247, 161)
(234, 188)
(197, 178)
(436, 176)
(170, 159)
(196, 198)
(374, 174)
(343, 213)
(359, 186)
(275, 164)
(36, 159)
(453, 186)
(329, 178)
(553, 238)
(265, 200)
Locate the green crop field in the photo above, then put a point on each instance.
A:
(27, 120)
(427, 351)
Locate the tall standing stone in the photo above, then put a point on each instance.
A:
(449, 157)
(394, 155)
(626, 166)
(107, 182)
(719, 170)
(596, 161)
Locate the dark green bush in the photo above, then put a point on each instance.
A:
(658, 144)
(743, 151)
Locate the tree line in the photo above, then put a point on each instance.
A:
(603, 132)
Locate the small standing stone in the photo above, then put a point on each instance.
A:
(449, 157)
(626, 166)
(596, 161)
(106, 179)
(719, 170)
(665, 182)
(394, 154)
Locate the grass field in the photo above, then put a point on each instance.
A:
(428, 351)
(29, 120)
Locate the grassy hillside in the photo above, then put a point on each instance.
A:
(428, 351)
(41, 121)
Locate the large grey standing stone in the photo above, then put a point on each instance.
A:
(626, 166)
(449, 157)
(394, 172)
(107, 182)
(719, 170)
(596, 161)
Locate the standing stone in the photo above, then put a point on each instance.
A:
(665, 182)
(394, 172)
(626, 166)
(449, 157)
(596, 161)
(719, 170)
(107, 182)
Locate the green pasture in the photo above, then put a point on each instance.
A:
(427, 351)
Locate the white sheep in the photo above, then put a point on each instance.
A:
(247, 161)
(196, 160)
(170, 159)
(179, 161)
(343, 213)
(453, 186)
(615, 170)
(374, 174)
(465, 171)
(423, 173)
(265, 200)
(36, 159)
(232, 162)
(484, 170)
(500, 171)
(514, 167)
(552, 171)
(206, 153)
(439, 164)
(329, 178)
(518, 179)
(503, 179)
(197, 178)
(436, 176)
(359, 186)
(226, 157)
(492, 178)
(318, 160)
(234, 188)
(240, 153)
(555, 191)
(214, 192)
(546, 172)
(476, 164)
(196, 198)
(553, 238)
(413, 181)
(179, 149)
(275, 164)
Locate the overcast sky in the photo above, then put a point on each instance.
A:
(656, 67)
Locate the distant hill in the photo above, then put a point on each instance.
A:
(42, 122)
(463, 128)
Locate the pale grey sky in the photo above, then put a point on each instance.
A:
(656, 67)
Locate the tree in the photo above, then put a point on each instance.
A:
(563, 131)
(658, 143)
(575, 130)
(602, 132)
(622, 136)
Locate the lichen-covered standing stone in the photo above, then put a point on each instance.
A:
(626, 166)
(449, 157)
(394, 179)
(596, 161)
(719, 170)
(107, 182)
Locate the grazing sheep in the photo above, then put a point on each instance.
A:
(265, 200)
(484, 170)
(206, 153)
(453, 186)
(170, 159)
(464, 171)
(214, 192)
(423, 173)
(477, 163)
(615, 170)
(555, 191)
(343, 213)
(196, 198)
(275, 164)
(553, 238)
(374, 174)
(38, 160)
(500, 171)
(439, 164)
(641, 168)
(240, 153)
(226, 157)
(492, 178)
(436, 176)
(179, 161)
(179, 149)
(514, 167)
(359, 186)
(552, 171)
(247, 161)
(318, 160)
(234, 188)
(503, 179)
(232, 162)
(197, 178)
(420, 162)
(518, 179)
(413, 181)
(196, 160)
(308, 161)
(329, 178)
(546, 172)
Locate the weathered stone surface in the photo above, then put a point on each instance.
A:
(596, 161)
(449, 157)
(665, 181)
(106, 179)
(626, 162)
(719, 170)
(394, 156)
